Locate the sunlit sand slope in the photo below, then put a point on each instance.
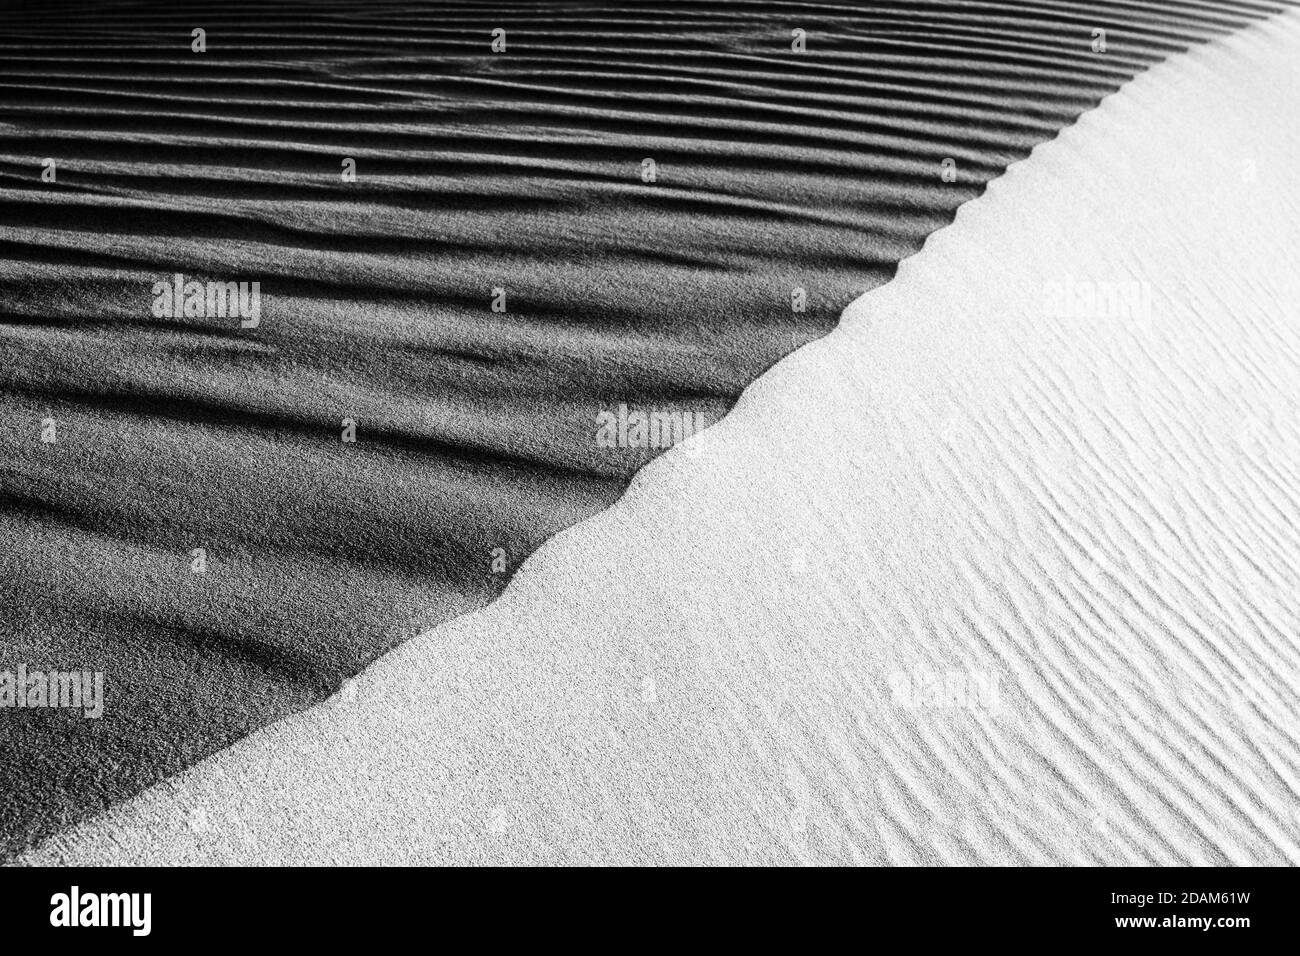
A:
(1079, 514)
(516, 178)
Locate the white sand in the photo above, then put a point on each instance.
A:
(1102, 513)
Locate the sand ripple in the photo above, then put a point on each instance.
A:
(522, 171)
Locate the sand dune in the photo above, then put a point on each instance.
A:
(477, 171)
(1096, 506)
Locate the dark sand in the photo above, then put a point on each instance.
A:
(475, 429)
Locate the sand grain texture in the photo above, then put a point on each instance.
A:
(1103, 512)
(476, 171)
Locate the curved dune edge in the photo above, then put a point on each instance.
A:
(201, 528)
(1102, 513)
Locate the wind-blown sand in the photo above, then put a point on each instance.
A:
(1102, 511)
(477, 171)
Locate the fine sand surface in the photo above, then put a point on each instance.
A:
(519, 171)
(1102, 511)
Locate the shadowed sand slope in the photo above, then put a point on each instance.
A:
(1098, 510)
(519, 171)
